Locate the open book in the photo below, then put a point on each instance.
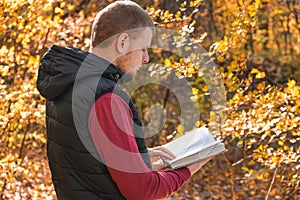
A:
(193, 146)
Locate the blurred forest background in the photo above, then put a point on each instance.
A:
(256, 46)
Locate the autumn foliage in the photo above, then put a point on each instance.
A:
(254, 43)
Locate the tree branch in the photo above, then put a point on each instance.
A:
(231, 176)
(243, 159)
(3, 188)
(23, 140)
(48, 29)
(272, 182)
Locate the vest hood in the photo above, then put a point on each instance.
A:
(59, 67)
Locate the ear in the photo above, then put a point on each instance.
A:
(122, 43)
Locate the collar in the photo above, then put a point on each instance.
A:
(111, 72)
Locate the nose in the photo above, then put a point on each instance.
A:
(145, 58)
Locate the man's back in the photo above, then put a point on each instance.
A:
(76, 173)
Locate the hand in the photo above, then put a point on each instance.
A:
(161, 152)
(194, 167)
(157, 154)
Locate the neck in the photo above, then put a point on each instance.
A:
(105, 53)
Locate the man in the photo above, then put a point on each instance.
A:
(98, 151)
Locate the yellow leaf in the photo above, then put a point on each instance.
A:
(191, 70)
(280, 143)
(188, 48)
(58, 10)
(5, 71)
(251, 162)
(267, 175)
(286, 148)
(259, 176)
(194, 3)
(195, 91)
(240, 143)
(180, 128)
(205, 88)
(194, 98)
(254, 71)
(275, 159)
(291, 83)
(71, 7)
(245, 169)
(43, 140)
(62, 4)
(261, 85)
(168, 63)
(178, 15)
(251, 171)
(234, 64)
(199, 123)
(11, 139)
(26, 171)
(167, 14)
(260, 75)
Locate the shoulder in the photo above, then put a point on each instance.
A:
(112, 99)
(107, 86)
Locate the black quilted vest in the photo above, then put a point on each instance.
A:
(77, 172)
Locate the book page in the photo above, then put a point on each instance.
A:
(191, 142)
(191, 151)
(210, 151)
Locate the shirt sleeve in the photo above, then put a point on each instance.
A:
(111, 128)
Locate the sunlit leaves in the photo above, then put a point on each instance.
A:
(262, 118)
(28, 28)
(255, 44)
(259, 75)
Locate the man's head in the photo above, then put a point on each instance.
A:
(124, 30)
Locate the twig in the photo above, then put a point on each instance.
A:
(272, 182)
(277, 84)
(48, 29)
(79, 8)
(231, 176)
(243, 159)
(7, 123)
(166, 97)
(3, 189)
(23, 141)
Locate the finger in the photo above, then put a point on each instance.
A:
(161, 154)
(166, 155)
(170, 154)
(204, 161)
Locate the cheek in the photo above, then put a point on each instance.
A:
(135, 57)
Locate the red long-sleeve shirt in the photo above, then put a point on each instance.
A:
(111, 128)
